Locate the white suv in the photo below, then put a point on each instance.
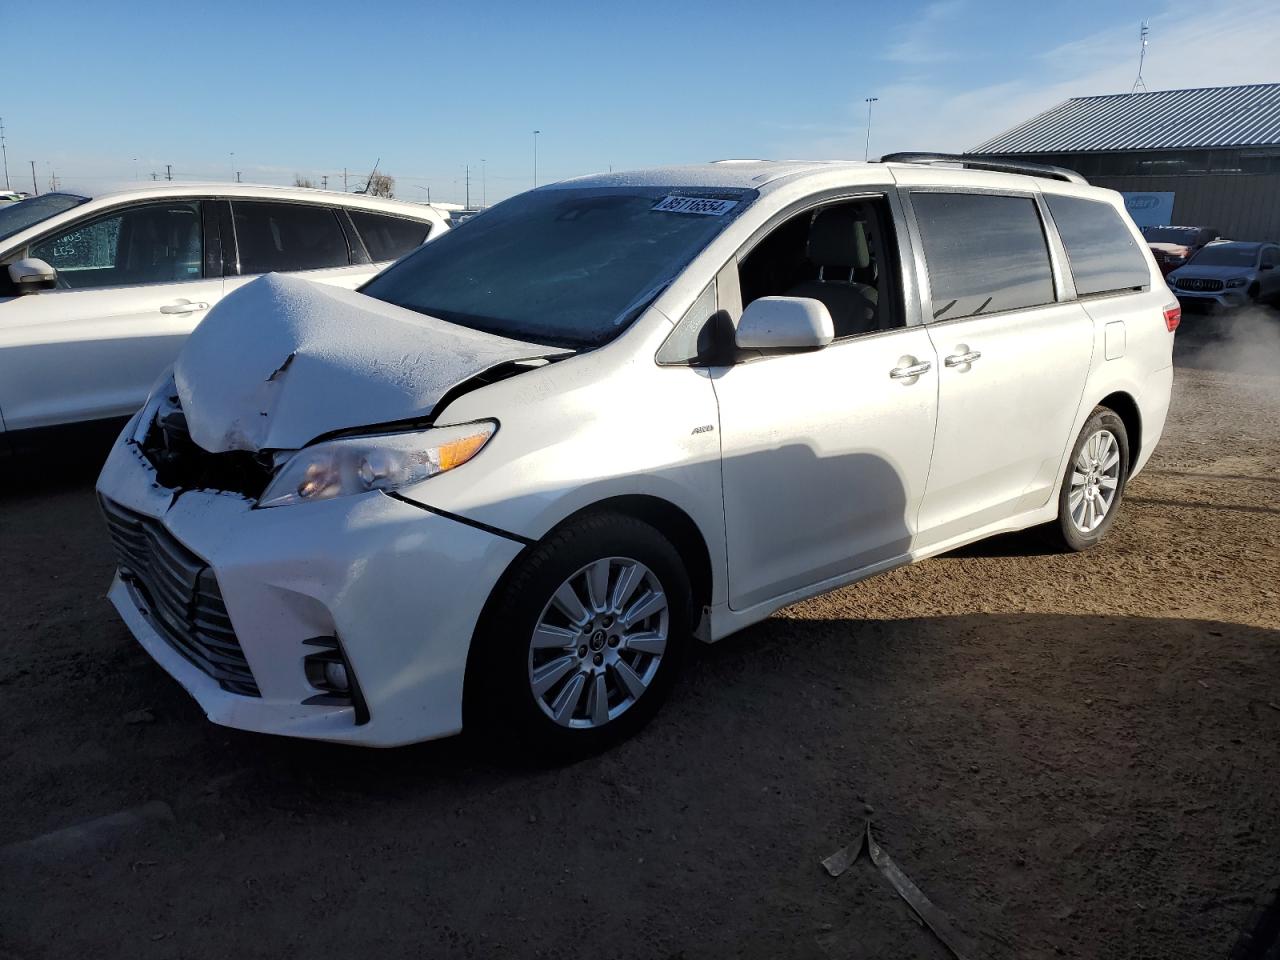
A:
(99, 291)
(509, 481)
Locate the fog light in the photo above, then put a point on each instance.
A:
(329, 671)
(335, 675)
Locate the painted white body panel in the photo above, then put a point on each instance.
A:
(89, 354)
(801, 472)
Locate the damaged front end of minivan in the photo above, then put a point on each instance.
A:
(277, 620)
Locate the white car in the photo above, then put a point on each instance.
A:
(99, 291)
(508, 482)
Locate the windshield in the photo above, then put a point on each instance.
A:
(569, 267)
(1227, 255)
(1183, 236)
(16, 217)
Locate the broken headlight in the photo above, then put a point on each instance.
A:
(340, 468)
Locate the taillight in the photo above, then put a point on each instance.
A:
(1173, 317)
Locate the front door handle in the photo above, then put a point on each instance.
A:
(183, 307)
(962, 359)
(910, 368)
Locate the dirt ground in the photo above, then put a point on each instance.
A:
(1071, 755)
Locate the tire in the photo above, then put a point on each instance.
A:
(508, 700)
(1076, 528)
(1260, 938)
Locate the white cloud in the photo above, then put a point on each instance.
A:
(924, 41)
(1192, 45)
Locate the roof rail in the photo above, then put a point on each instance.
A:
(997, 166)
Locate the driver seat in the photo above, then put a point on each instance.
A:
(838, 246)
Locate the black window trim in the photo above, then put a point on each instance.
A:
(1063, 283)
(233, 266)
(93, 216)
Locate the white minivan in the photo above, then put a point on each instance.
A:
(99, 289)
(506, 483)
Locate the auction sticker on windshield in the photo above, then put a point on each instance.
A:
(711, 208)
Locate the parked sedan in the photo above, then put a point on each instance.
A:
(1229, 273)
(98, 291)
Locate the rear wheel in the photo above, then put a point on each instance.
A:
(582, 640)
(1093, 485)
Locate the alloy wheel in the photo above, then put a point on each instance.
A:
(1095, 481)
(598, 643)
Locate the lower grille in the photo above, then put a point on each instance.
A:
(182, 597)
(1197, 283)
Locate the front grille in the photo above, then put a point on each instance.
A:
(1198, 283)
(182, 597)
(181, 464)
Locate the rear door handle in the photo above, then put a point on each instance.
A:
(911, 370)
(960, 359)
(183, 306)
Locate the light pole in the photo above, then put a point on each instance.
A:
(866, 155)
(535, 157)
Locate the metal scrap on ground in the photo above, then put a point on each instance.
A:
(931, 916)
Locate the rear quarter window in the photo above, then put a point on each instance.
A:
(388, 238)
(1103, 254)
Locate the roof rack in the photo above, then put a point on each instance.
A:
(997, 166)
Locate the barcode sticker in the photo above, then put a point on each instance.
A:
(702, 205)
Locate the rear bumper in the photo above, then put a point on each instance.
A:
(400, 587)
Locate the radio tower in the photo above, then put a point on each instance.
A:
(5, 153)
(1142, 56)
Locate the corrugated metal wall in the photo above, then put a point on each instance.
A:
(1242, 206)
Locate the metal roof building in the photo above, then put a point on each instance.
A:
(1202, 157)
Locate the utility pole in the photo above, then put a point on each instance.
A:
(237, 176)
(484, 192)
(867, 153)
(344, 179)
(535, 157)
(467, 204)
(5, 153)
(168, 171)
(324, 181)
(233, 163)
(35, 187)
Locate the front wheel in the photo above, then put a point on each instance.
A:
(582, 640)
(1093, 485)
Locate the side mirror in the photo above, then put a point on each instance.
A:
(32, 274)
(784, 323)
(1267, 266)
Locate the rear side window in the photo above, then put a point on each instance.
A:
(388, 238)
(281, 237)
(1104, 256)
(984, 253)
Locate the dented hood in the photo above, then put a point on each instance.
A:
(283, 360)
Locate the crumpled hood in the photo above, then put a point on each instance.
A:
(1171, 249)
(283, 360)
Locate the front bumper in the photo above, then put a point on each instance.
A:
(1221, 299)
(400, 587)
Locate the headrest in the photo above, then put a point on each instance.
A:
(837, 238)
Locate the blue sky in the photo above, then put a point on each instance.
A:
(430, 87)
